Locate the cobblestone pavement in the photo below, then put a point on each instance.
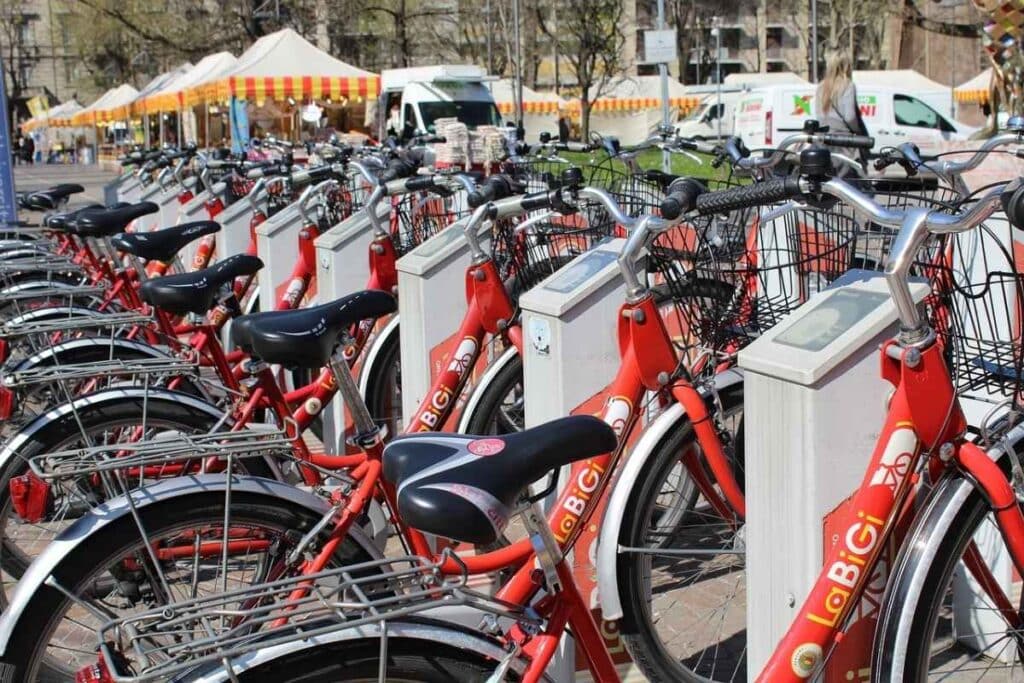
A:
(40, 176)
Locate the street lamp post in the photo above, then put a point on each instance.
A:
(519, 70)
(716, 31)
(814, 41)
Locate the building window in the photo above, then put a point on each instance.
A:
(25, 32)
(24, 73)
(71, 69)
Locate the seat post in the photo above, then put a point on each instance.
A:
(367, 432)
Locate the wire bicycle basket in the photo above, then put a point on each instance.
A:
(531, 250)
(976, 308)
(418, 216)
(731, 277)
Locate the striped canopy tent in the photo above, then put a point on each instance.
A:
(640, 93)
(503, 91)
(117, 107)
(87, 115)
(135, 106)
(171, 96)
(285, 65)
(975, 90)
(55, 117)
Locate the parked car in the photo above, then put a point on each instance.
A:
(764, 116)
(711, 119)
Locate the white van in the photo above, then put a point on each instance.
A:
(703, 122)
(764, 116)
(412, 99)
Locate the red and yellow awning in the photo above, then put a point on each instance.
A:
(978, 96)
(280, 88)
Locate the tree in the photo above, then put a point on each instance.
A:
(591, 38)
(692, 20)
(15, 53)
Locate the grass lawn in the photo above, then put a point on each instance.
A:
(651, 158)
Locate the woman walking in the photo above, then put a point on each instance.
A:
(835, 104)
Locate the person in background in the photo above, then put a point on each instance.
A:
(16, 150)
(563, 127)
(28, 146)
(835, 104)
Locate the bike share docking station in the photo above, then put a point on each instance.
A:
(125, 188)
(342, 267)
(570, 355)
(814, 402)
(431, 286)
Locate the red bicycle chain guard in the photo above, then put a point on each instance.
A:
(31, 497)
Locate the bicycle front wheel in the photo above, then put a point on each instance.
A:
(936, 621)
(682, 564)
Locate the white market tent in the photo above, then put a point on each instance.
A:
(282, 65)
(937, 95)
(57, 116)
(540, 110)
(976, 89)
(631, 111)
(114, 97)
(171, 95)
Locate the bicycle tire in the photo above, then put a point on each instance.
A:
(82, 356)
(384, 384)
(918, 585)
(80, 570)
(408, 660)
(160, 411)
(488, 416)
(637, 627)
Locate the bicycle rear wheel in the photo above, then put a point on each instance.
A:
(120, 570)
(407, 661)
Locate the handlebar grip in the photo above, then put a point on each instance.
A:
(537, 200)
(420, 183)
(682, 197)
(496, 187)
(758, 194)
(397, 168)
(848, 140)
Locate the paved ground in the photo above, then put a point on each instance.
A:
(39, 176)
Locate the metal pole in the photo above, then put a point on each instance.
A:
(814, 41)
(519, 71)
(490, 47)
(666, 161)
(718, 74)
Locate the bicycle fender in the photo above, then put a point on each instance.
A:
(372, 354)
(38, 573)
(36, 284)
(490, 372)
(635, 464)
(435, 630)
(14, 444)
(53, 355)
(51, 312)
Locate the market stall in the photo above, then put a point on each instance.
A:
(631, 110)
(176, 114)
(286, 86)
(135, 111)
(540, 110)
(101, 126)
